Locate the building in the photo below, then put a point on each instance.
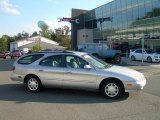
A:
(32, 41)
(119, 21)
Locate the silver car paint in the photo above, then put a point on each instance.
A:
(78, 78)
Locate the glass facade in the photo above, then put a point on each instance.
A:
(131, 20)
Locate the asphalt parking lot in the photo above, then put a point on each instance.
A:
(64, 104)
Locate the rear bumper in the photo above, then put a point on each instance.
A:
(17, 77)
(134, 86)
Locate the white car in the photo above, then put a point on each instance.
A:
(148, 55)
(75, 70)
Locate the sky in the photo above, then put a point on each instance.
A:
(17, 16)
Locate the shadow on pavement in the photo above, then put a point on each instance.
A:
(128, 62)
(6, 64)
(18, 93)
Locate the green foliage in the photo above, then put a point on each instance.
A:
(3, 43)
(154, 13)
(61, 36)
(34, 34)
(150, 17)
(45, 32)
(37, 47)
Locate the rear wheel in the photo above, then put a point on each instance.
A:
(133, 58)
(33, 84)
(112, 89)
(149, 59)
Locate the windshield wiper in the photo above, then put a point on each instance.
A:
(107, 66)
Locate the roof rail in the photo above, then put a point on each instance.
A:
(54, 51)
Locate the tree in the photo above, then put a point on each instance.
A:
(66, 30)
(25, 34)
(45, 32)
(36, 47)
(34, 34)
(3, 43)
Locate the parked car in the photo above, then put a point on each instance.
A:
(101, 50)
(16, 53)
(7, 53)
(77, 70)
(3, 54)
(148, 55)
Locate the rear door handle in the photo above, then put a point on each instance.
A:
(68, 72)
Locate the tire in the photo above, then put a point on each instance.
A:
(149, 59)
(33, 84)
(117, 59)
(112, 89)
(133, 58)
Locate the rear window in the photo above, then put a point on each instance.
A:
(30, 59)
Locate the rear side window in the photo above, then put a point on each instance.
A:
(30, 59)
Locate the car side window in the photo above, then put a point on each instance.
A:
(138, 51)
(75, 62)
(52, 61)
(30, 59)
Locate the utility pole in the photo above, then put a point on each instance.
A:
(101, 20)
(142, 42)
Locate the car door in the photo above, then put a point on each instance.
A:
(138, 54)
(51, 70)
(145, 55)
(76, 76)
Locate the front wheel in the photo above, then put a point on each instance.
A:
(149, 59)
(112, 89)
(33, 84)
(117, 59)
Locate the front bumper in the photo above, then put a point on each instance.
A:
(134, 86)
(156, 59)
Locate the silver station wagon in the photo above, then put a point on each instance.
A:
(76, 70)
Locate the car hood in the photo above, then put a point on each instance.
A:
(123, 71)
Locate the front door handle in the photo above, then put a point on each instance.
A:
(68, 72)
(41, 70)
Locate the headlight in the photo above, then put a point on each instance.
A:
(139, 78)
(156, 56)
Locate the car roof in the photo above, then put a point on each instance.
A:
(143, 49)
(59, 52)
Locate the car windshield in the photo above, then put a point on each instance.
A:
(149, 51)
(96, 62)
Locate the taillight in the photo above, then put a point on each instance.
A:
(13, 68)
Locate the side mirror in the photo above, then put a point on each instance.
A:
(87, 67)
